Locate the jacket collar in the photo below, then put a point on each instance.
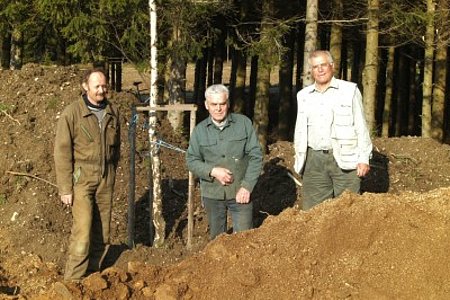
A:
(229, 119)
(333, 84)
(86, 111)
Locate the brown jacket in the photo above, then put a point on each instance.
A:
(82, 143)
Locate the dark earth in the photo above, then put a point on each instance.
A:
(391, 242)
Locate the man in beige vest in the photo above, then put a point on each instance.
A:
(331, 140)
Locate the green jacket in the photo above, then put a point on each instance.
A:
(236, 148)
(82, 143)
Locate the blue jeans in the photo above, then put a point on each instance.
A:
(216, 210)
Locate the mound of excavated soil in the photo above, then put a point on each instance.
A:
(391, 242)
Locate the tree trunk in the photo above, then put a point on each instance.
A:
(62, 56)
(440, 75)
(16, 49)
(428, 71)
(261, 116)
(357, 60)
(6, 50)
(175, 78)
(219, 53)
(344, 61)
(156, 208)
(336, 37)
(237, 93)
(210, 65)
(370, 74)
(286, 72)
(388, 94)
(414, 80)
(447, 108)
(200, 86)
(310, 39)
(403, 82)
(299, 53)
(254, 63)
(261, 112)
(177, 92)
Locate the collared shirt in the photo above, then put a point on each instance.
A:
(235, 147)
(319, 111)
(349, 136)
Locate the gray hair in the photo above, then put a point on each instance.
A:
(216, 89)
(317, 53)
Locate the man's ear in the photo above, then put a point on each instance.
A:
(85, 86)
(206, 104)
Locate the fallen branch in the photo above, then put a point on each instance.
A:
(32, 176)
(9, 116)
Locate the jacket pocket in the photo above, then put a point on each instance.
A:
(343, 115)
(86, 133)
(112, 141)
(348, 150)
(208, 148)
(236, 146)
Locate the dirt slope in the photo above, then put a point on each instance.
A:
(393, 244)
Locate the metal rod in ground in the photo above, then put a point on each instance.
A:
(132, 180)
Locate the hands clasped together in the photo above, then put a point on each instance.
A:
(225, 177)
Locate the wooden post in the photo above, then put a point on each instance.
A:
(190, 202)
(132, 180)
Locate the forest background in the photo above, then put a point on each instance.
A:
(397, 52)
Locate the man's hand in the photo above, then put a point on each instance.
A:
(67, 199)
(224, 176)
(243, 196)
(362, 169)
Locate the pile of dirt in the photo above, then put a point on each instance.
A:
(392, 244)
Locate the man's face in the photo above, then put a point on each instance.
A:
(322, 69)
(217, 106)
(96, 88)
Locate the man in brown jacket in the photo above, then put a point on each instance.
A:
(87, 149)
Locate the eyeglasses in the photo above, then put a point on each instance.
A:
(321, 66)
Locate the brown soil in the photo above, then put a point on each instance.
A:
(391, 242)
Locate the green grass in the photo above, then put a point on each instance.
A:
(53, 102)
(2, 199)
(7, 108)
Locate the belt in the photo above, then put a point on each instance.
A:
(327, 151)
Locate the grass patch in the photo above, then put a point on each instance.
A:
(53, 102)
(2, 199)
(7, 108)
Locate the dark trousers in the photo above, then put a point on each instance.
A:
(323, 179)
(216, 210)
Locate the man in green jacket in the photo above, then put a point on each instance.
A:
(86, 155)
(225, 154)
